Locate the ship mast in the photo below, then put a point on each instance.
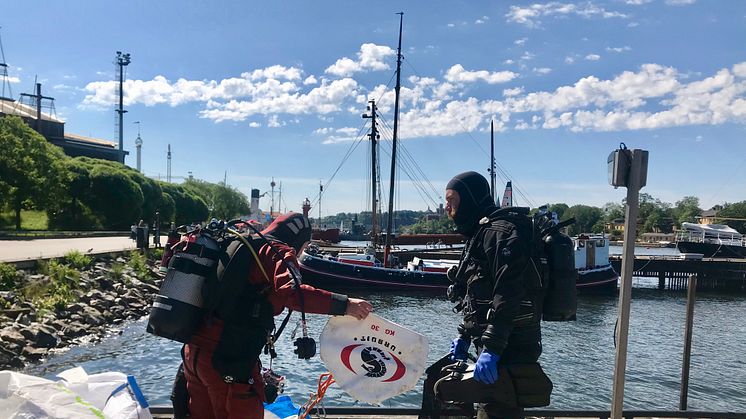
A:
(374, 174)
(492, 161)
(393, 148)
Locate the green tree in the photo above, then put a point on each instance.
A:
(735, 210)
(32, 171)
(586, 217)
(686, 210)
(188, 207)
(72, 211)
(559, 208)
(115, 197)
(167, 208)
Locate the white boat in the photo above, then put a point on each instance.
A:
(592, 262)
(711, 240)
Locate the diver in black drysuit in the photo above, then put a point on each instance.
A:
(497, 285)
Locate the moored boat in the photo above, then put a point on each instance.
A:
(711, 240)
(595, 272)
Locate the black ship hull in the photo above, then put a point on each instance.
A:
(712, 250)
(597, 280)
(333, 275)
(339, 276)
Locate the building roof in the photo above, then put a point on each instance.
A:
(13, 107)
(90, 140)
(709, 213)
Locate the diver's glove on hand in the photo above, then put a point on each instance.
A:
(485, 371)
(459, 349)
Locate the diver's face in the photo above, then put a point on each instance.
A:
(452, 201)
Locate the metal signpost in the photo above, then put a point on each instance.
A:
(627, 168)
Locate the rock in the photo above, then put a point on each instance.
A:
(12, 336)
(34, 354)
(75, 329)
(46, 338)
(40, 336)
(92, 316)
(104, 283)
(25, 319)
(9, 359)
(75, 308)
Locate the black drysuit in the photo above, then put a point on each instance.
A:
(501, 288)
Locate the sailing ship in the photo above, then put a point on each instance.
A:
(355, 270)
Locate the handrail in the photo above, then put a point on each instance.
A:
(546, 413)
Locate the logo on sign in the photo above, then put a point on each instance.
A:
(373, 361)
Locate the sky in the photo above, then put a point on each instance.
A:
(249, 91)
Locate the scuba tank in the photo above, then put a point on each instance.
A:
(560, 298)
(178, 308)
(559, 275)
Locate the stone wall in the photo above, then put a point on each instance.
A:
(105, 299)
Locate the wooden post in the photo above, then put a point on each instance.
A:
(690, 297)
(634, 183)
(661, 280)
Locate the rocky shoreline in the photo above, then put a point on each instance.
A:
(106, 297)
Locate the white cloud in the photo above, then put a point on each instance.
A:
(530, 16)
(650, 98)
(521, 41)
(542, 70)
(569, 60)
(254, 124)
(680, 2)
(592, 57)
(371, 57)
(508, 61)
(513, 92)
(451, 25)
(13, 79)
(310, 80)
(457, 74)
(482, 20)
(637, 2)
(618, 49)
(339, 135)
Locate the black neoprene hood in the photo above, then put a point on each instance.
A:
(475, 200)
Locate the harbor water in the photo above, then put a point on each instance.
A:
(578, 356)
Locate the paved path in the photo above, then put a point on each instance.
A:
(19, 250)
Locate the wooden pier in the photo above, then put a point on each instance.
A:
(673, 274)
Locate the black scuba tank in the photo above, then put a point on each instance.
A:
(178, 308)
(560, 300)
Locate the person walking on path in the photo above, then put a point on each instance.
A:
(493, 284)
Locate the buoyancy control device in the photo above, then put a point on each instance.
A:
(555, 252)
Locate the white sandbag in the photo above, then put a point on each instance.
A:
(373, 359)
(76, 395)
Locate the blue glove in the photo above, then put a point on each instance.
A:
(485, 371)
(459, 349)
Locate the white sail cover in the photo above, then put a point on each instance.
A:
(373, 359)
(75, 395)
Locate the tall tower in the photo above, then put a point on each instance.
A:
(138, 144)
(123, 60)
(168, 164)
